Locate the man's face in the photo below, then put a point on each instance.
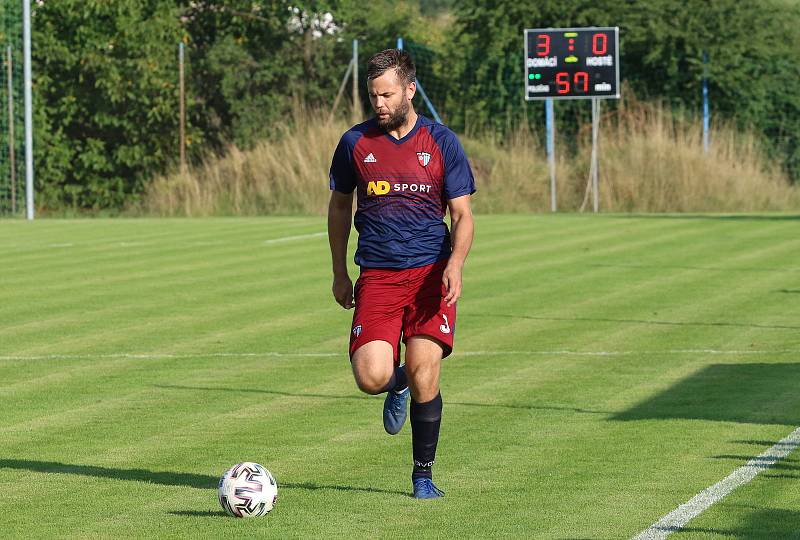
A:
(390, 99)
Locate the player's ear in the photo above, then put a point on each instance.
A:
(411, 90)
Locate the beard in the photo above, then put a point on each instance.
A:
(396, 118)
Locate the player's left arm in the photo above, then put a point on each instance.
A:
(462, 228)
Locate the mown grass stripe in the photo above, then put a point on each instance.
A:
(681, 516)
(104, 257)
(530, 433)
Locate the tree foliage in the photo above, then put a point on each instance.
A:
(106, 78)
(106, 72)
(106, 91)
(753, 68)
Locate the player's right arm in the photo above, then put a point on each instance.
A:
(340, 215)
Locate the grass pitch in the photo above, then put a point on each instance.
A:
(607, 368)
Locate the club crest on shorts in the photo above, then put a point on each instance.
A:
(424, 158)
(357, 330)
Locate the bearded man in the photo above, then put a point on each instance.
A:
(407, 171)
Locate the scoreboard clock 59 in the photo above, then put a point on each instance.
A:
(571, 63)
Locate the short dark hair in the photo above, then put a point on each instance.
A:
(392, 59)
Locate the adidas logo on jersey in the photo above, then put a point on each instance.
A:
(370, 159)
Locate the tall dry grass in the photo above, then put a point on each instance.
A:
(654, 161)
(651, 161)
(285, 175)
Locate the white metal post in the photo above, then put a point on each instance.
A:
(594, 165)
(12, 159)
(551, 149)
(26, 36)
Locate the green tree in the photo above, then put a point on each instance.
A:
(106, 98)
(252, 61)
(106, 81)
(754, 74)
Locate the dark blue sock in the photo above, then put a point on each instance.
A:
(426, 418)
(398, 381)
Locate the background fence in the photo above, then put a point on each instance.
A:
(107, 93)
(12, 132)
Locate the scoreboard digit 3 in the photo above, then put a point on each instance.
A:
(571, 63)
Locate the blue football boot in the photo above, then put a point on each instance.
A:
(395, 410)
(424, 488)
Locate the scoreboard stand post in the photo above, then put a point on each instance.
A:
(551, 150)
(594, 165)
(572, 63)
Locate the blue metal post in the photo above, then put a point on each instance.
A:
(428, 102)
(422, 91)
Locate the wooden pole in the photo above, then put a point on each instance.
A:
(11, 157)
(341, 91)
(182, 108)
(356, 104)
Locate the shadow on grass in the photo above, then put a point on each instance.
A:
(364, 398)
(200, 481)
(757, 393)
(763, 443)
(783, 476)
(635, 321)
(201, 513)
(755, 523)
(762, 463)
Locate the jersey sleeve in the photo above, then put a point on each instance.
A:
(458, 178)
(342, 175)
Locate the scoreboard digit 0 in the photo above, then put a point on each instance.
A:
(571, 63)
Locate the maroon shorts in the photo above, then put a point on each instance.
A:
(409, 302)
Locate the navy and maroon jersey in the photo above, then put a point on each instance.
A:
(403, 187)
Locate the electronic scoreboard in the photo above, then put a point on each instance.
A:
(571, 63)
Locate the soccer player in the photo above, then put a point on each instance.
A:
(407, 171)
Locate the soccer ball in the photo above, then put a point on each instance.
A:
(247, 490)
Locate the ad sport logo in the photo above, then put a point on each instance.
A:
(357, 330)
(370, 159)
(424, 158)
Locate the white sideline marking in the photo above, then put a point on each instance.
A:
(124, 244)
(276, 354)
(167, 356)
(679, 517)
(297, 237)
(626, 353)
